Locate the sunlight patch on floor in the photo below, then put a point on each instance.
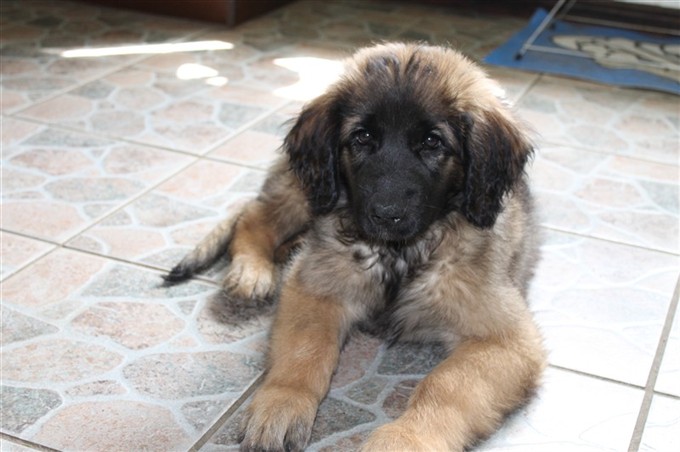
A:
(316, 74)
(141, 49)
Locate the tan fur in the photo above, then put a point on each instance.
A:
(251, 272)
(305, 344)
(457, 283)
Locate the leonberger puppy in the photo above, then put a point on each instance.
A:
(405, 191)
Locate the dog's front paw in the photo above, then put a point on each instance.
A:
(278, 419)
(250, 277)
(393, 436)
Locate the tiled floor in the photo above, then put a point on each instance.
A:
(113, 166)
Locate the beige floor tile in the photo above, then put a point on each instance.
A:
(95, 338)
(116, 163)
(18, 251)
(160, 227)
(626, 122)
(57, 182)
(662, 432)
(608, 196)
(602, 305)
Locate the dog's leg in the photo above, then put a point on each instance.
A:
(251, 272)
(306, 338)
(280, 212)
(466, 397)
(205, 254)
(252, 237)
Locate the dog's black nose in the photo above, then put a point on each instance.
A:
(386, 214)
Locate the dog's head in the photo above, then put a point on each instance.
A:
(410, 133)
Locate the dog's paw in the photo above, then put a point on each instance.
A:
(250, 277)
(394, 436)
(278, 419)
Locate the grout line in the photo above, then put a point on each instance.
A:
(547, 143)
(32, 237)
(226, 161)
(117, 138)
(147, 266)
(667, 395)
(31, 260)
(116, 67)
(596, 377)
(97, 221)
(122, 66)
(525, 91)
(157, 147)
(16, 112)
(25, 443)
(654, 373)
(612, 241)
(195, 159)
(219, 423)
(57, 246)
(101, 135)
(243, 128)
(40, 258)
(125, 203)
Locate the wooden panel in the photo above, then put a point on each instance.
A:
(228, 12)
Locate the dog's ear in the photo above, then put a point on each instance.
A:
(312, 146)
(495, 153)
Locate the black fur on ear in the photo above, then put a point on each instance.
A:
(495, 154)
(312, 146)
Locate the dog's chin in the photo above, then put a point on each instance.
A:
(397, 235)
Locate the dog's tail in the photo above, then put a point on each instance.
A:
(214, 246)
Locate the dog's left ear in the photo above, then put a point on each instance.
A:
(496, 151)
(312, 147)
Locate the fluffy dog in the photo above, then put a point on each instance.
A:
(404, 184)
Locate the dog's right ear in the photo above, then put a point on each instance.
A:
(312, 146)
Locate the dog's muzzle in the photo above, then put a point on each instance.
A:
(387, 215)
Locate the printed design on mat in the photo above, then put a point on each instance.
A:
(624, 53)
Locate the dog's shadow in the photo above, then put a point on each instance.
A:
(239, 313)
(225, 318)
(231, 310)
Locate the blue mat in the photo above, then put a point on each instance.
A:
(615, 55)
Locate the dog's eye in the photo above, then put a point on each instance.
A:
(431, 141)
(363, 137)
